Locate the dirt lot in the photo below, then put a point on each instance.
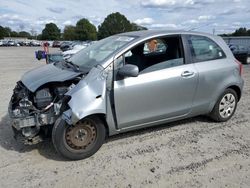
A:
(190, 153)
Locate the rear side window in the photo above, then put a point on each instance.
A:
(204, 49)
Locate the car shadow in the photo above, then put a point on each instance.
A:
(8, 142)
(47, 150)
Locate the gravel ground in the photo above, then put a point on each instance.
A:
(191, 153)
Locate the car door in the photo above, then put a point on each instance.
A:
(159, 92)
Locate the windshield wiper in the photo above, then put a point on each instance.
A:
(74, 66)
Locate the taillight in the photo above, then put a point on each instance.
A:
(240, 66)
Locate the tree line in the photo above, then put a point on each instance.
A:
(242, 31)
(7, 32)
(83, 30)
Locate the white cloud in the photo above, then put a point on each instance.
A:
(144, 21)
(10, 16)
(237, 23)
(168, 3)
(158, 2)
(192, 21)
(206, 17)
(43, 22)
(190, 2)
(11, 22)
(164, 26)
(68, 22)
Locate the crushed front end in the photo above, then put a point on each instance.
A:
(33, 114)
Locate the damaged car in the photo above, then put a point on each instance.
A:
(122, 83)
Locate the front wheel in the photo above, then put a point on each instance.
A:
(225, 106)
(78, 141)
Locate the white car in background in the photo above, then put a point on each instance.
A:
(76, 48)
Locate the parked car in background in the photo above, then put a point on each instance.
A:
(26, 43)
(65, 45)
(241, 53)
(116, 85)
(11, 43)
(35, 43)
(56, 44)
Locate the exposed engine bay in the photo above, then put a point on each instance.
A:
(34, 113)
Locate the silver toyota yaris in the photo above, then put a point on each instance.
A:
(122, 83)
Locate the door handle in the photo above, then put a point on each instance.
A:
(186, 74)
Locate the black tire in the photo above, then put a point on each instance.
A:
(70, 146)
(216, 113)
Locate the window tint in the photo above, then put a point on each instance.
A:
(204, 49)
(156, 54)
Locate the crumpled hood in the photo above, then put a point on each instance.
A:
(48, 73)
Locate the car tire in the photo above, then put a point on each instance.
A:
(78, 141)
(225, 106)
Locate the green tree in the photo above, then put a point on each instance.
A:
(39, 37)
(69, 32)
(14, 34)
(240, 32)
(24, 34)
(51, 32)
(85, 30)
(113, 24)
(8, 30)
(3, 32)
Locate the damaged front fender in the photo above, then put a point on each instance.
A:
(87, 97)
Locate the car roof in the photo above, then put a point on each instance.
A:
(148, 33)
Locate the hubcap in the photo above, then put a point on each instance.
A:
(81, 135)
(227, 105)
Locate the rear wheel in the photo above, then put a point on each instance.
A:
(225, 106)
(78, 141)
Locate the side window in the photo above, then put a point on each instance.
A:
(204, 49)
(155, 46)
(156, 54)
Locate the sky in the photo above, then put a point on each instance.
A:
(218, 16)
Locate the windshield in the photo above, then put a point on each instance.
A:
(96, 53)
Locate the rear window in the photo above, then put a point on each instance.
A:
(204, 49)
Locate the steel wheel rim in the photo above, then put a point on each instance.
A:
(227, 105)
(80, 136)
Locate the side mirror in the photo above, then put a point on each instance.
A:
(129, 70)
